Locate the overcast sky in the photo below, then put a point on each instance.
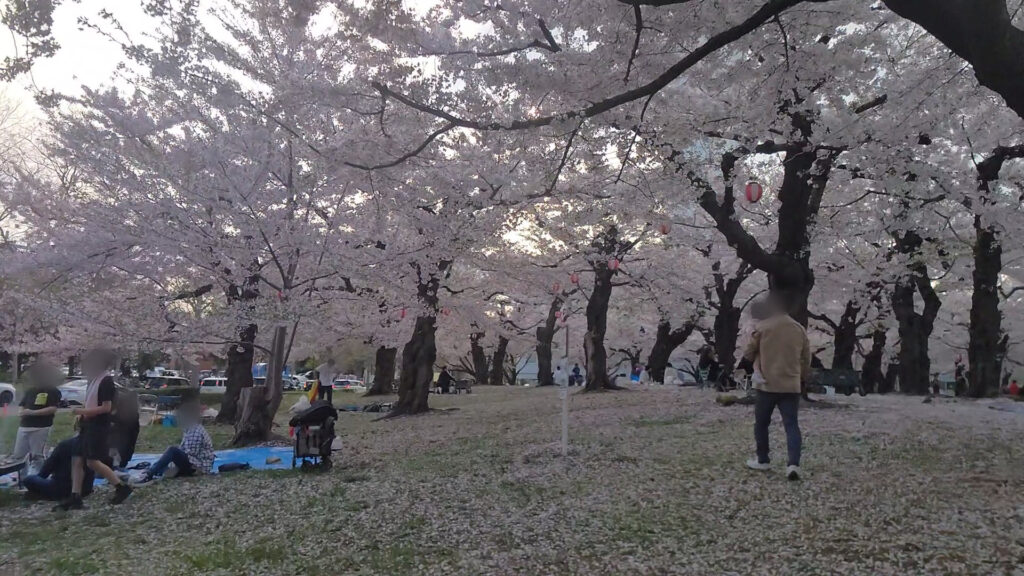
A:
(85, 57)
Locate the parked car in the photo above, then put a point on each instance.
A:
(213, 385)
(347, 385)
(167, 382)
(73, 392)
(7, 392)
(302, 381)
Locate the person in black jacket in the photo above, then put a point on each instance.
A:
(444, 381)
(53, 482)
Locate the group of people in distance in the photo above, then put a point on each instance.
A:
(563, 378)
(67, 474)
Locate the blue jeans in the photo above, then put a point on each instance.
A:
(174, 455)
(788, 405)
(46, 488)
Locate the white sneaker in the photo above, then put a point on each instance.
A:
(754, 464)
(793, 472)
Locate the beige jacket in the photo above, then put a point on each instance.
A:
(781, 353)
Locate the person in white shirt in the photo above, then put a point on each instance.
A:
(326, 373)
(561, 377)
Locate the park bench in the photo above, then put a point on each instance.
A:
(843, 380)
(461, 386)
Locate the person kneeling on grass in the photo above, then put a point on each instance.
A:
(94, 419)
(195, 453)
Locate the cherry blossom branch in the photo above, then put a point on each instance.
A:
(768, 11)
(638, 16)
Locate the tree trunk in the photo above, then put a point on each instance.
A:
(986, 321)
(498, 362)
(597, 327)
(384, 373)
(73, 366)
(239, 374)
(872, 377)
(417, 376)
(845, 338)
(545, 339)
(480, 364)
(665, 343)
(915, 328)
(727, 332)
(259, 404)
(545, 375)
(240, 354)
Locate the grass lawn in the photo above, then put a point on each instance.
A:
(654, 485)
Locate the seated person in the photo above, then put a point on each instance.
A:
(53, 482)
(195, 453)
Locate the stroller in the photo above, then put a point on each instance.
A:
(314, 434)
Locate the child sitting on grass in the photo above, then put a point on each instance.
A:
(195, 453)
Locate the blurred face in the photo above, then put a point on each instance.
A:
(94, 364)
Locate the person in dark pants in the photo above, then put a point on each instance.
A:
(781, 355)
(95, 431)
(53, 482)
(444, 381)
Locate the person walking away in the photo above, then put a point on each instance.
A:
(781, 354)
(577, 376)
(194, 455)
(53, 481)
(444, 380)
(95, 430)
(38, 407)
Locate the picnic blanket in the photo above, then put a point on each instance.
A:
(255, 456)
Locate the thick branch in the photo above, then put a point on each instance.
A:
(768, 11)
(982, 33)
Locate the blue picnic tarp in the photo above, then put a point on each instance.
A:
(255, 456)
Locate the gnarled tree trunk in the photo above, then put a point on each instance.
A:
(384, 371)
(418, 358)
(915, 328)
(259, 404)
(241, 353)
(239, 373)
(872, 377)
(479, 357)
(498, 362)
(665, 342)
(983, 350)
(597, 327)
(545, 339)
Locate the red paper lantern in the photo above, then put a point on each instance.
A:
(401, 313)
(664, 228)
(613, 264)
(556, 287)
(574, 278)
(754, 191)
(558, 313)
(446, 312)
